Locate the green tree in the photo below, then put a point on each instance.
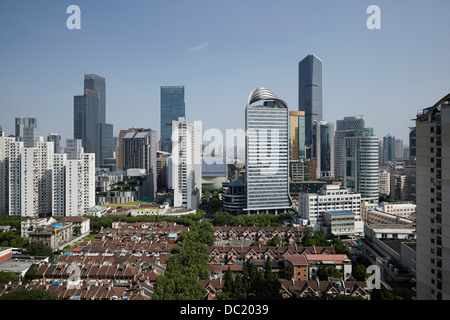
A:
(33, 294)
(324, 272)
(360, 272)
(6, 277)
(39, 249)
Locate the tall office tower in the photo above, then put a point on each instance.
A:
(186, 164)
(56, 139)
(105, 143)
(119, 149)
(74, 148)
(27, 131)
(310, 96)
(172, 108)
(342, 127)
(388, 149)
(398, 146)
(98, 84)
(324, 148)
(433, 201)
(139, 152)
(267, 153)
(298, 167)
(361, 171)
(89, 119)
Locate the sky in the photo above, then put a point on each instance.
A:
(221, 51)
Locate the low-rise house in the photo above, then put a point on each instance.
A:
(326, 289)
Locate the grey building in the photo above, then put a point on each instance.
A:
(342, 127)
(433, 201)
(89, 119)
(310, 96)
(172, 108)
(56, 139)
(139, 152)
(388, 149)
(27, 131)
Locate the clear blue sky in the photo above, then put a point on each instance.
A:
(220, 51)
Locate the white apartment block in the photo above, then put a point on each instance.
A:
(385, 182)
(329, 198)
(186, 164)
(34, 181)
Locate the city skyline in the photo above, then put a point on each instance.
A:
(373, 73)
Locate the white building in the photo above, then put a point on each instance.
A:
(186, 165)
(34, 181)
(403, 210)
(267, 153)
(385, 182)
(361, 170)
(330, 197)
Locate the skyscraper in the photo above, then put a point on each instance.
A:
(361, 171)
(324, 148)
(172, 108)
(388, 149)
(432, 136)
(267, 153)
(310, 96)
(89, 119)
(27, 131)
(186, 164)
(342, 127)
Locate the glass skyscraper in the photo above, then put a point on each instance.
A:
(310, 97)
(89, 112)
(172, 108)
(267, 153)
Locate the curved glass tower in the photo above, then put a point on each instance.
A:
(267, 153)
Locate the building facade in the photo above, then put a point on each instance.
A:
(267, 153)
(186, 164)
(361, 171)
(433, 202)
(172, 108)
(342, 127)
(329, 198)
(310, 95)
(324, 148)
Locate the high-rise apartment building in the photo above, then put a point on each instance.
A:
(342, 127)
(89, 119)
(432, 133)
(324, 148)
(172, 108)
(27, 131)
(267, 153)
(34, 180)
(310, 95)
(186, 164)
(361, 171)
